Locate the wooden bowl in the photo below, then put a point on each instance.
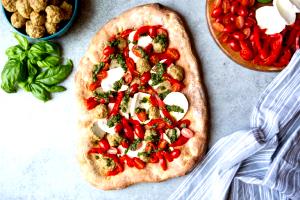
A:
(235, 56)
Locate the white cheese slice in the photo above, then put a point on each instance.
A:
(102, 123)
(178, 99)
(113, 75)
(132, 154)
(136, 103)
(286, 10)
(296, 3)
(131, 35)
(144, 41)
(165, 136)
(269, 18)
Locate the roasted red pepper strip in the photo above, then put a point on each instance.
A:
(96, 150)
(125, 33)
(256, 37)
(159, 123)
(170, 54)
(116, 107)
(176, 85)
(180, 141)
(91, 103)
(297, 41)
(185, 123)
(284, 59)
(144, 30)
(276, 47)
(164, 110)
(139, 131)
(128, 132)
(130, 65)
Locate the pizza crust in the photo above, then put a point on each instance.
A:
(194, 149)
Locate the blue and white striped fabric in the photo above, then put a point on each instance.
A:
(262, 162)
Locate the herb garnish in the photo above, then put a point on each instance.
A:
(113, 120)
(139, 110)
(121, 61)
(174, 108)
(97, 69)
(172, 135)
(144, 100)
(118, 84)
(102, 95)
(157, 77)
(124, 103)
(133, 145)
(164, 94)
(114, 43)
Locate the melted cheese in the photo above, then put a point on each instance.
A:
(113, 75)
(102, 123)
(165, 136)
(286, 10)
(178, 99)
(135, 153)
(143, 41)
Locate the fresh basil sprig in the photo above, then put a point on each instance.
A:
(35, 68)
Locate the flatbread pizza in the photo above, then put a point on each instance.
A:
(144, 111)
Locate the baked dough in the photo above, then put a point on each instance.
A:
(195, 148)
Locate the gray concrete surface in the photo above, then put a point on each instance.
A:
(38, 161)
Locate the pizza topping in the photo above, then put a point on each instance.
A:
(139, 102)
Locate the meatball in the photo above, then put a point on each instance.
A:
(38, 5)
(160, 43)
(17, 20)
(23, 7)
(122, 44)
(51, 27)
(54, 14)
(35, 31)
(105, 164)
(9, 5)
(37, 18)
(101, 111)
(143, 65)
(66, 10)
(154, 112)
(176, 72)
(151, 135)
(164, 87)
(114, 139)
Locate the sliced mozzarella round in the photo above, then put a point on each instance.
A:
(113, 75)
(131, 35)
(167, 138)
(136, 103)
(177, 99)
(286, 10)
(102, 123)
(269, 18)
(296, 3)
(132, 154)
(144, 41)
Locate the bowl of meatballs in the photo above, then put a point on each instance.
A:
(40, 19)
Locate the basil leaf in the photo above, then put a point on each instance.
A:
(32, 70)
(50, 61)
(55, 88)
(25, 86)
(23, 42)
(41, 50)
(55, 75)
(16, 52)
(13, 72)
(40, 92)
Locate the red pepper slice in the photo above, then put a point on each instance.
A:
(185, 123)
(124, 144)
(175, 153)
(96, 150)
(162, 144)
(171, 54)
(126, 33)
(145, 30)
(93, 86)
(134, 88)
(167, 156)
(116, 107)
(128, 132)
(163, 164)
(103, 144)
(107, 51)
(128, 160)
(130, 65)
(180, 141)
(256, 37)
(158, 123)
(126, 52)
(150, 147)
(139, 131)
(276, 47)
(91, 103)
(297, 41)
(164, 110)
(138, 163)
(176, 85)
(118, 128)
(145, 78)
(153, 158)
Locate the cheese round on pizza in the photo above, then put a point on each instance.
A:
(144, 112)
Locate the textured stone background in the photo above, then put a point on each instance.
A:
(38, 140)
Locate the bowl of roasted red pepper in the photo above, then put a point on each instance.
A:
(234, 26)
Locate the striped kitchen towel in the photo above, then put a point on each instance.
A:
(262, 162)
